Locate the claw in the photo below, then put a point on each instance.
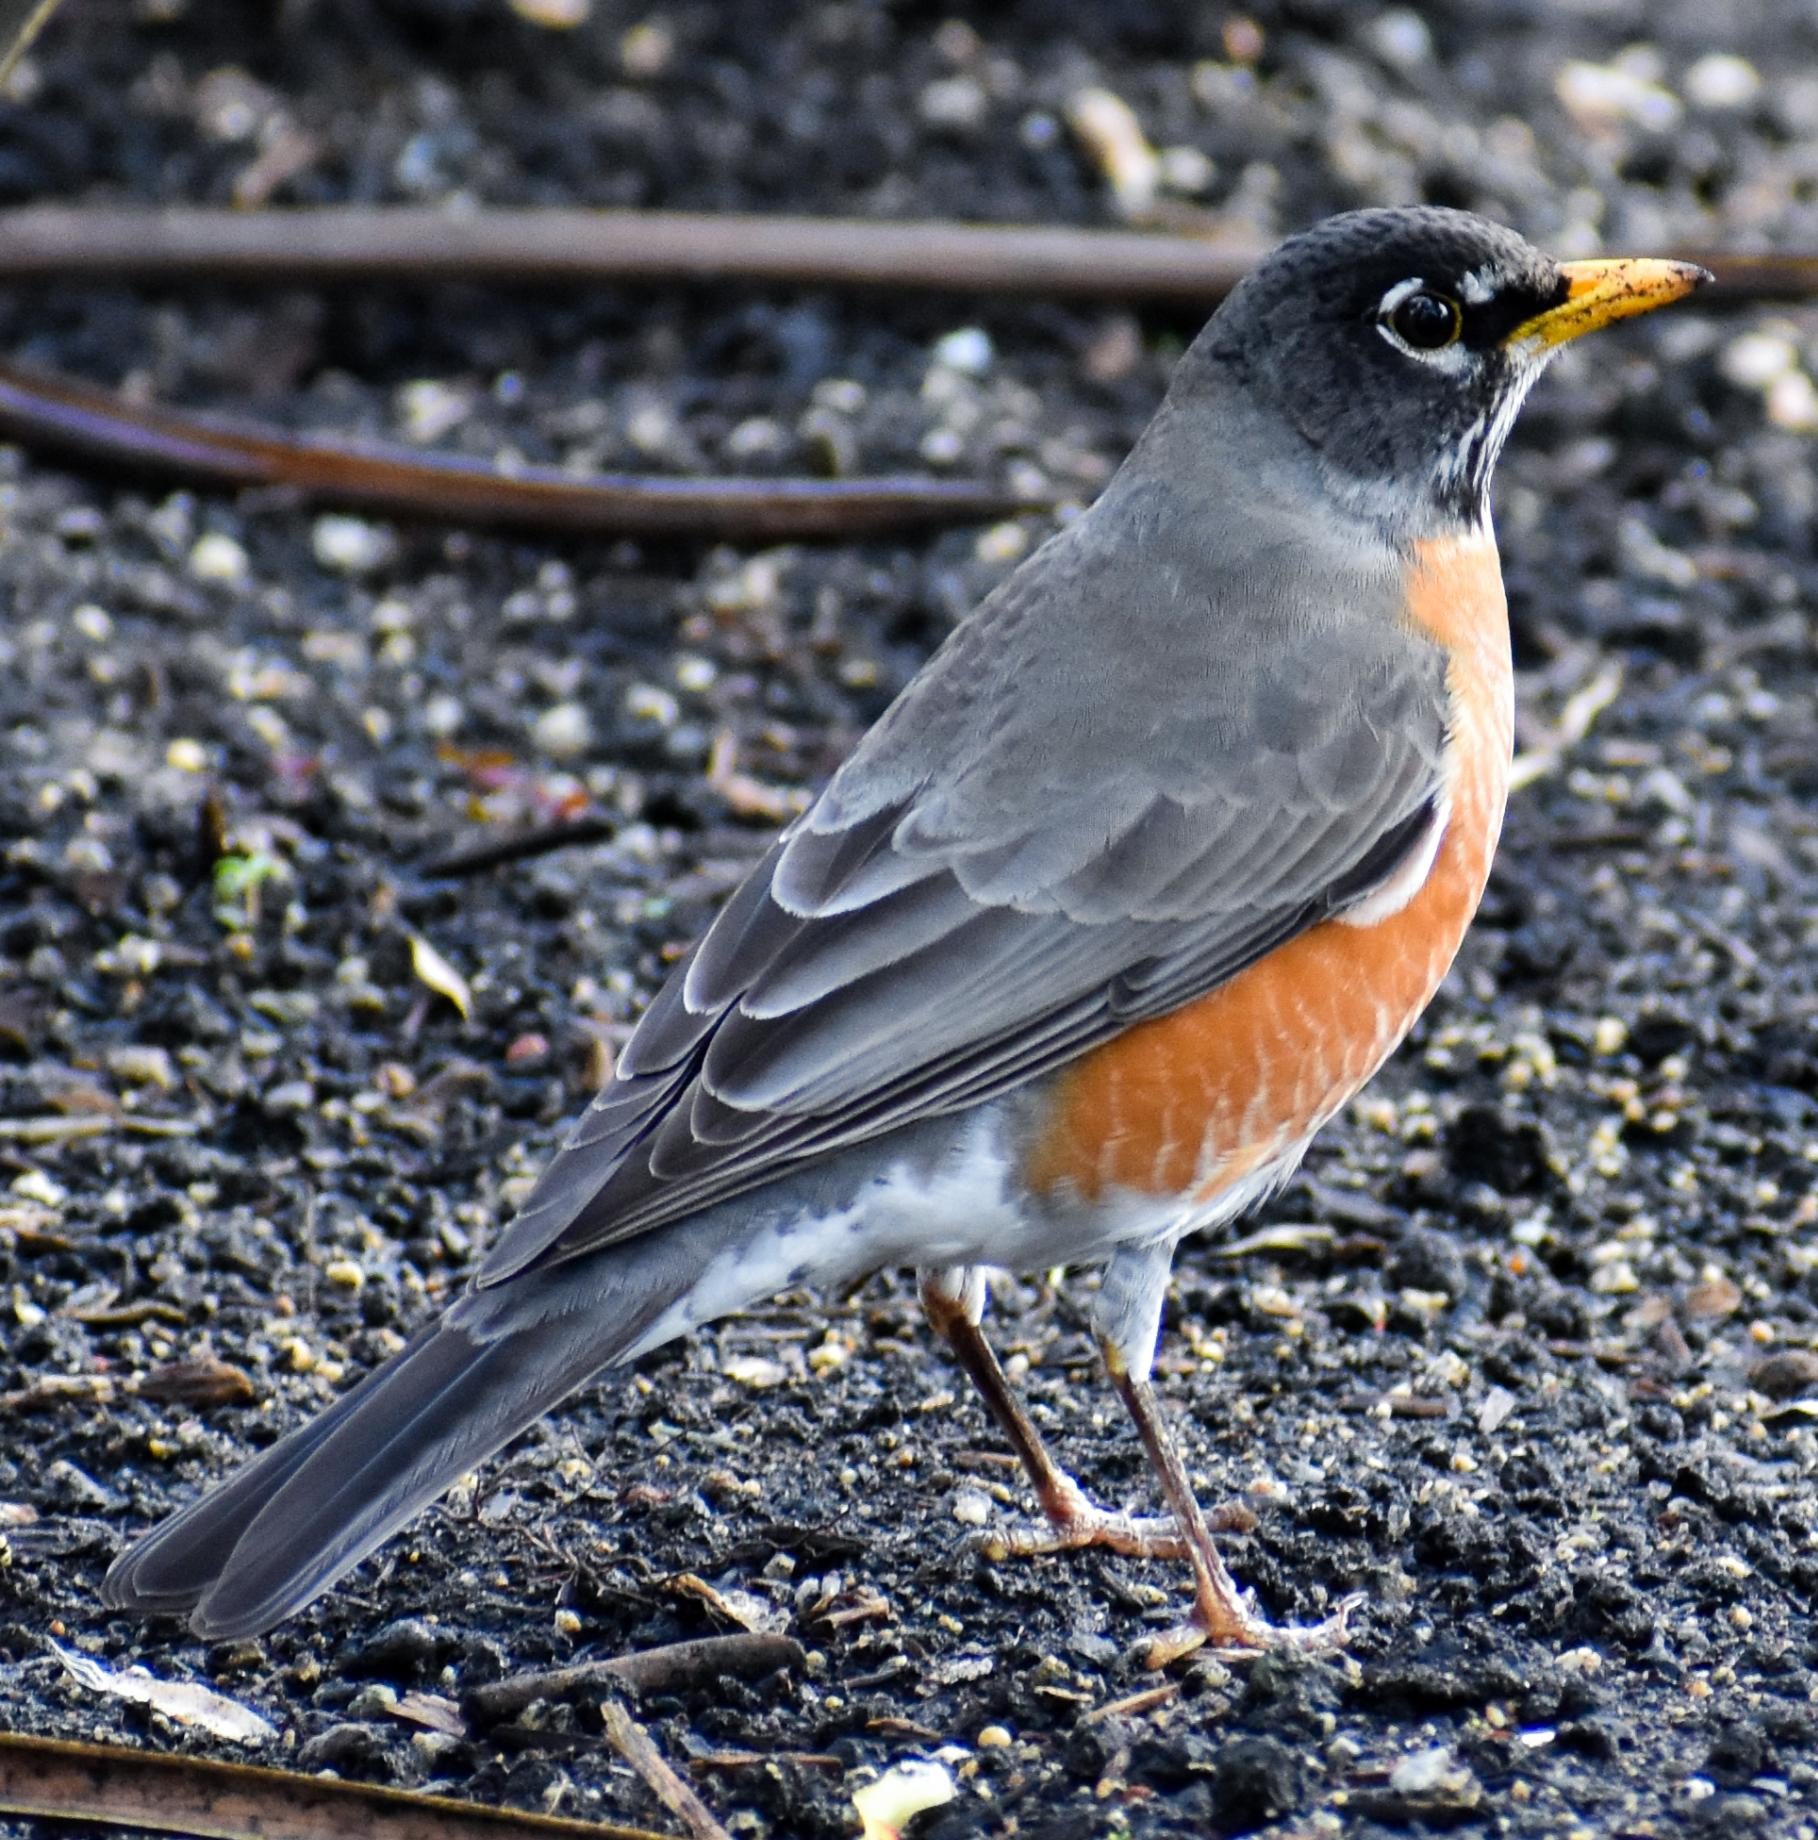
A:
(1245, 1632)
(1146, 1536)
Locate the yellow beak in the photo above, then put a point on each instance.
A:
(1600, 293)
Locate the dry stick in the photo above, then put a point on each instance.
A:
(634, 1744)
(653, 1670)
(20, 22)
(538, 840)
(61, 415)
(406, 243)
(117, 1788)
(414, 244)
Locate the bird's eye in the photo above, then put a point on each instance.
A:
(1426, 322)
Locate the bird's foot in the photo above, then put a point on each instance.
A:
(1149, 1536)
(1232, 1626)
(1075, 1521)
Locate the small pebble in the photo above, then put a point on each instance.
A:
(954, 103)
(563, 731)
(219, 559)
(1187, 172)
(1788, 1375)
(350, 545)
(1107, 128)
(1401, 39)
(1756, 358)
(429, 409)
(1427, 1771)
(1715, 1296)
(647, 50)
(1721, 81)
(1792, 403)
(142, 1066)
(971, 1509)
(1603, 96)
(1609, 1036)
(554, 15)
(968, 350)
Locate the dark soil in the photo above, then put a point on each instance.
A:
(1537, 1370)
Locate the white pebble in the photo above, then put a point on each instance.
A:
(1401, 38)
(1108, 129)
(649, 703)
(1792, 402)
(428, 408)
(219, 558)
(1756, 358)
(1605, 95)
(350, 545)
(1186, 171)
(971, 1509)
(1002, 543)
(1422, 1772)
(443, 714)
(1722, 81)
(93, 622)
(968, 350)
(647, 50)
(563, 731)
(953, 102)
(942, 446)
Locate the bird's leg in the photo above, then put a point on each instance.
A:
(954, 1300)
(1127, 1319)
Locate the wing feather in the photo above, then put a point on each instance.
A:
(979, 897)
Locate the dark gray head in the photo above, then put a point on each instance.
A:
(1398, 345)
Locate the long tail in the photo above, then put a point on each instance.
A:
(294, 1519)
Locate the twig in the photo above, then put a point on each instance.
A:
(406, 243)
(20, 22)
(63, 1127)
(1397, 1405)
(634, 1744)
(329, 243)
(1580, 710)
(1137, 1703)
(64, 416)
(115, 1788)
(653, 1670)
(756, 1760)
(537, 841)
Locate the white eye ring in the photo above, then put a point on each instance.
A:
(1453, 357)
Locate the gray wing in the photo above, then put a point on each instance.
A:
(1046, 839)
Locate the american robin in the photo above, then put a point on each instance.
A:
(1131, 889)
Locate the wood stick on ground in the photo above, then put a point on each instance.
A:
(332, 243)
(20, 22)
(520, 846)
(118, 1788)
(60, 415)
(635, 1745)
(669, 1669)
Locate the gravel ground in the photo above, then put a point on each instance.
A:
(1530, 1355)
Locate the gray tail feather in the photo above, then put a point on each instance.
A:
(284, 1528)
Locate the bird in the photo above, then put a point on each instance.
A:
(1129, 891)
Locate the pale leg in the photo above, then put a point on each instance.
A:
(1127, 1320)
(954, 1300)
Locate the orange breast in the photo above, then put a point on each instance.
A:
(1190, 1103)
